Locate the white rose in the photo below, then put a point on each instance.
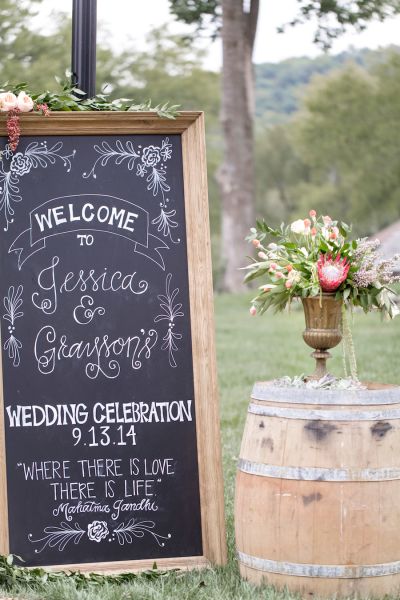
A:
(298, 226)
(24, 102)
(8, 101)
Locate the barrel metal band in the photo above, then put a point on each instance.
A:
(270, 393)
(312, 570)
(323, 415)
(317, 473)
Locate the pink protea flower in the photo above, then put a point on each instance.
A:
(332, 272)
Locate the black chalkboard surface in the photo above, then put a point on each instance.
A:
(99, 399)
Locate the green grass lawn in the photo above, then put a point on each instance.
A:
(249, 349)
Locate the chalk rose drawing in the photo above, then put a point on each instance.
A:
(20, 164)
(151, 161)
(60, 536)
(97, 531)
(170, 311)
(36, 155)
(12, 303)
(151, 156)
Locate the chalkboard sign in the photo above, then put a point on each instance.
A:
(110, 455)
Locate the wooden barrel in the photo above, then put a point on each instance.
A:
(317, 505)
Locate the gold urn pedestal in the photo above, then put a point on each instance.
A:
(323, 316)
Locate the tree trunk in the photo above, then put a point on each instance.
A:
(236, 174)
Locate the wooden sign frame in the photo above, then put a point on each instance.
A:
(190, 125)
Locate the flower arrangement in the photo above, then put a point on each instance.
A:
(314, 256)
(13, 105)
(17, 99)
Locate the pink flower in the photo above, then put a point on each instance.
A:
(44, 109)
(288, 284)
(332, 272)
(313, 213)
(307, 223)
(253, 311)
(24, 102)
(8, 101)
(327, 220)
(314, 231)
(256, 243)
(279, 275)
(333, 235)
(289, 268)
(262, 255)
(273, 266)
(13, 128)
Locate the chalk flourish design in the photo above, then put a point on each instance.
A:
(138, 529)
(171, 310)
(14, 166)
(164, 223)
(150, 161)
(12, 303)
(58, 537)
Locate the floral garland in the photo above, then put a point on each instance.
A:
(16, 99)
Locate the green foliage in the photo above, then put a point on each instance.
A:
(349, 138)
(201, 13)
(169, 68)
(281, 87)
(71, 98)
(334, 16)
(12, 575)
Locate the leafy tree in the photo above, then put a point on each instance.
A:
(239, 23)
(335, 16)
(349, 137)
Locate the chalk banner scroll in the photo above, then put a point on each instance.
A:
(109, 448)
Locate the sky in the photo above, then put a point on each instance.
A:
(126, 22)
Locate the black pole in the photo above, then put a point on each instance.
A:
(84, 29)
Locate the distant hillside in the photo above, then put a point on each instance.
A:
(279, 86)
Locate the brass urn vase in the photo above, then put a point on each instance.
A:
(323, 316)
